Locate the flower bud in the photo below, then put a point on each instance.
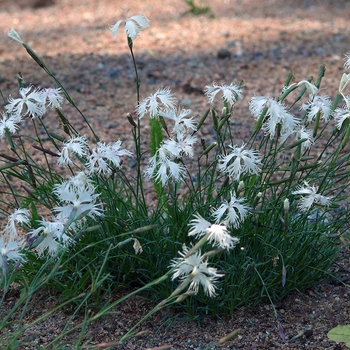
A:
(15, 36)
(209, 148)
(345, 79)
(224, 111)
(202, 120)
(286, 214)
(240, 187)
(286, 205)
(215, 119)
(182, 297)
(131, 120)
(257, 199)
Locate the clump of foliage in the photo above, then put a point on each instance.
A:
(197, 10)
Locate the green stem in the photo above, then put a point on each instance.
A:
(159, 307)
(117, 302)
(41, 63)
(137, 136)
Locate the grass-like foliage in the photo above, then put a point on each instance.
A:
(209, 225)
(197, 10)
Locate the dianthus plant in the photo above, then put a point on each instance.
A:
(251, 219)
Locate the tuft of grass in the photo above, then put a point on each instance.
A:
(197, 10)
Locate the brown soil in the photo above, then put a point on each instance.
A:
(255, 41)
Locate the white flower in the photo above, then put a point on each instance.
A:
(195, 267)
(52, 237)
(162, 167)
(80, 181)
(306, 134)
(80, 200)
(19, 216)
(137, 246)
(179, 117)
(276, 114)
(53, 97)
(240, 161)
(9, 251)
(182, 146)
(104, 157)
(15, 36)
(31, 103)
(347, 101)
(133, 26)
(77, 145)
(345, 80)
(236, 211)
(48, 244)
(97, 162)
(309, 196)
(217, 234)
(318, 104)
(347, 61)
(153, 103)
(340, 116)
(230, 93)
(9, 123)
(310, 88)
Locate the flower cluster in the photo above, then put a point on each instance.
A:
(48, 236)
(78, 199)
(194, 268)
(33, 102)
(230, 93)
(276, 114)
(76, 196)
(11, 239)
(164, 164)
(102, 159)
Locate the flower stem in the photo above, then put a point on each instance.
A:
(41, 63)
(139, 185)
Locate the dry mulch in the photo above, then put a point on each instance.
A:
(255, 41)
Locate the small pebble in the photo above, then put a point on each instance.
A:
(185, 102)
(224, 53)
